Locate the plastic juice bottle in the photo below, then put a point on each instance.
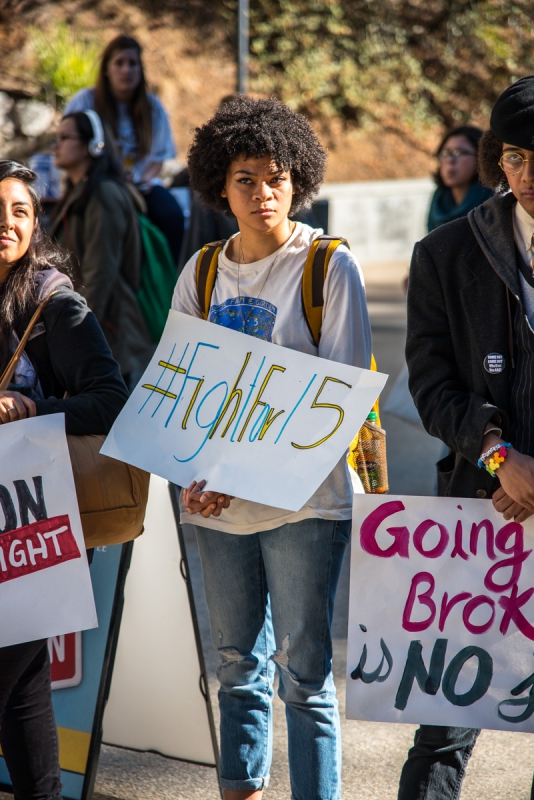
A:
(371, 463)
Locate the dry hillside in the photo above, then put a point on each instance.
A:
(190, 64)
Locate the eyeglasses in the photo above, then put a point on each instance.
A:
(513, 163)
(454, 154)
(63, 137)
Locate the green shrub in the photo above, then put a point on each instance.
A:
(65, 60)
(403, 65)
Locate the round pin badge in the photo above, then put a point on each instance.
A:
(494, 363)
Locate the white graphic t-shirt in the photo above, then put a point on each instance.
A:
(270, 308)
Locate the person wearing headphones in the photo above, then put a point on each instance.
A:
(95, 221)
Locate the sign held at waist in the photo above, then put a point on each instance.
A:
(45, 585)
(441, 620)
(256, 420)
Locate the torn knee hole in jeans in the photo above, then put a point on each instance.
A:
(229, 654)
(281, 659)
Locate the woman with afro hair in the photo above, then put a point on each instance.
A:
(470, 356)
(270, 574)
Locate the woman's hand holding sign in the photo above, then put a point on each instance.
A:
(14, 405)
(204, 503)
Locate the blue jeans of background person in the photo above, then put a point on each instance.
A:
(436, 764)
(28, 732)
(270, 598)
(165, 212)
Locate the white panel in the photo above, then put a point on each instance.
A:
(382, 220)
(155, 701)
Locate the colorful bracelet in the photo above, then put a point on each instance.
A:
(483, 457)
(498, 454)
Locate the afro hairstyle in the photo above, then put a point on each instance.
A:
(254, 129)
(489, 154)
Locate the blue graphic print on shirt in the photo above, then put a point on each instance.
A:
(247, 315)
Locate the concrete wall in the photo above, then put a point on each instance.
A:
(381, 219)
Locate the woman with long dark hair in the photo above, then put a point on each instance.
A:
(140, 126)
(66, 367)
(96, 222)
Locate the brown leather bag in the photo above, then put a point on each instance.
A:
(112, 496)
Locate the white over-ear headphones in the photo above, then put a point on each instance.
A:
(96, 146)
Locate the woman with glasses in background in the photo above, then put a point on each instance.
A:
(458, 189)
(95, 221)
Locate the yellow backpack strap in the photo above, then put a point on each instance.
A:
(376, 406)
(313, 279)
(206, 272)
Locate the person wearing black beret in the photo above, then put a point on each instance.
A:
(470, 356)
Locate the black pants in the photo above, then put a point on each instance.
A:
(27, 727)
(165, 212)
(436, 764)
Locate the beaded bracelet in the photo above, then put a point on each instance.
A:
(498, 454)
(488, 453)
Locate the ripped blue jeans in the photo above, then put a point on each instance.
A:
(270, 598)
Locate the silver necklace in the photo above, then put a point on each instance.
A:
(273, 262)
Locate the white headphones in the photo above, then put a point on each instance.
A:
(96, 146)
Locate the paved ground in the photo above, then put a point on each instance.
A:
(373, 753)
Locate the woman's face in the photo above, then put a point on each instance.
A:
(457, 162)
(71, 151)
(17, 223)
(124, 73)
(259, 192)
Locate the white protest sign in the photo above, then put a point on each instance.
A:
(441, 619)
(45, 585)
(256, 420)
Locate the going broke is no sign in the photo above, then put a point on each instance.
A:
(441, 627)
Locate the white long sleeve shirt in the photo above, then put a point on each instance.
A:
(268, 305)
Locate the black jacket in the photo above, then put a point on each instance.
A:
(70, 354)
(458, 313)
